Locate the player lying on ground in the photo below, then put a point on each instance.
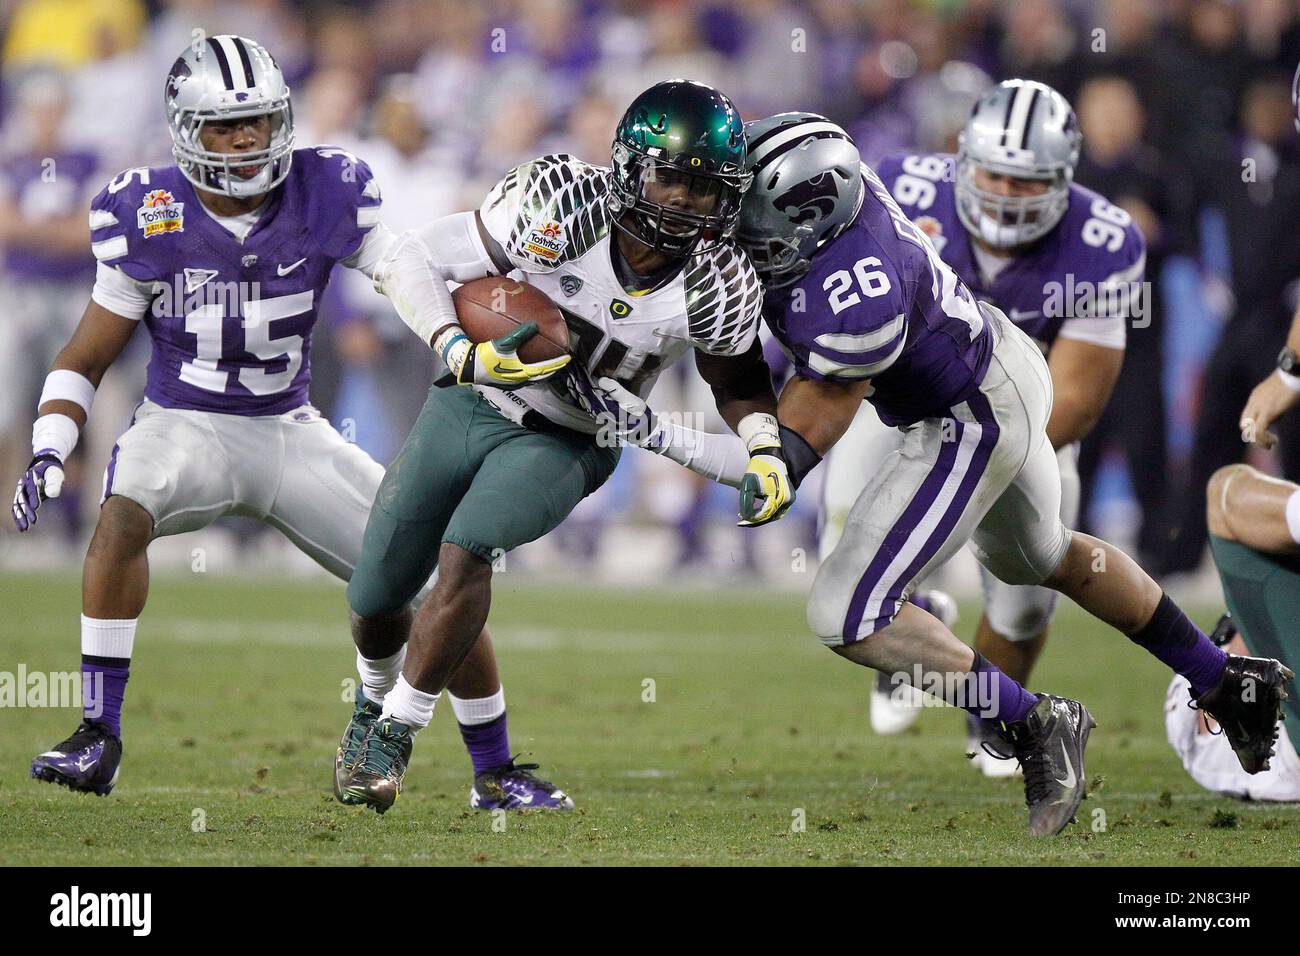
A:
(1205, 752)
(224, 257)
(641, 259)
(1254, 524)
(1064, 265)
(860, 299)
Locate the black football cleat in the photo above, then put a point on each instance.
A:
(1247, 705)
(86, 762)
(1049, 744)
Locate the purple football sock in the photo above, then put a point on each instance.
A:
(103, 682)
(997, 697)
(488, 744)
(1176, 641)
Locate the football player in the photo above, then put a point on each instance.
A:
(858, 296)
(640, 258)
(1064, 265)
(224, 257)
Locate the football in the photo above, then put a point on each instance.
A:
(489, 308)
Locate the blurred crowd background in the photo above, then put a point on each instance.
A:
(1184, 105)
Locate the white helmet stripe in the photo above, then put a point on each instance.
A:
(1019, 120)
(240, 79)
(796, 131)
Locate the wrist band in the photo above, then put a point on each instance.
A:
(1290, 381)
(65, 385)
(800, 457)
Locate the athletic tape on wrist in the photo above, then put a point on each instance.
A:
(759, 430)
(1290, 381)
(56, 433)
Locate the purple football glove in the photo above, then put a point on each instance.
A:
(42, 479)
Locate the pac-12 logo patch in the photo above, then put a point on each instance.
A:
(570, 285)
(546, 241)
(160, 213)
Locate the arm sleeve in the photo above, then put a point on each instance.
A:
(718, 457)
(723, 302)
(120, 294)
(414, 271)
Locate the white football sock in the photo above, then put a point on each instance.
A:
(378, 676)
(1293, 516)
(409, 706)
(104, 638)
(478, 710)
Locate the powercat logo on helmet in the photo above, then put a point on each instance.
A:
(160, 213)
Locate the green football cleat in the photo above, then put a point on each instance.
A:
(363, 718)
(376, 779)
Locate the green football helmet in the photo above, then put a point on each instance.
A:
(687, 133)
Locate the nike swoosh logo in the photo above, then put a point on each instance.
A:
(1070, 779)
(285, 270)
(521, 799)
(1018, 316)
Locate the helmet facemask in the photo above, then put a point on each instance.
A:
(217, 172)
(674, 230)
(1005, 222)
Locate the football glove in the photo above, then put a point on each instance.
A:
(496, 363)
(766, 491)
(42, 479)
(624, 415)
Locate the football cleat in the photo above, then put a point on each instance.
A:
(376, 778)
(987, 750)
(895, 707)
(363, 717)
(1049, 745)
(515, 787)
(1247, 705)
(86, 762)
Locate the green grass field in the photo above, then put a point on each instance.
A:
(236, 702)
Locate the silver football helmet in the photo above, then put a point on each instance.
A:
(224, 78)
(1024, 129)
(807, 187)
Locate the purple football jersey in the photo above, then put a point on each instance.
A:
(48, 186)
(1088, 267)
(878, 303)
(231, 321)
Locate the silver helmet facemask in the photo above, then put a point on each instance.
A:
(1025, 130)
(220, 79)
(807, 188)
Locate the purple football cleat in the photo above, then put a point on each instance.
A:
(514, 787)
(87, 761)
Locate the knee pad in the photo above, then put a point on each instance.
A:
(1012, 564)
(1019, 613)
(828, 609)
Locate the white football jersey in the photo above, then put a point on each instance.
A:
(551, 218)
